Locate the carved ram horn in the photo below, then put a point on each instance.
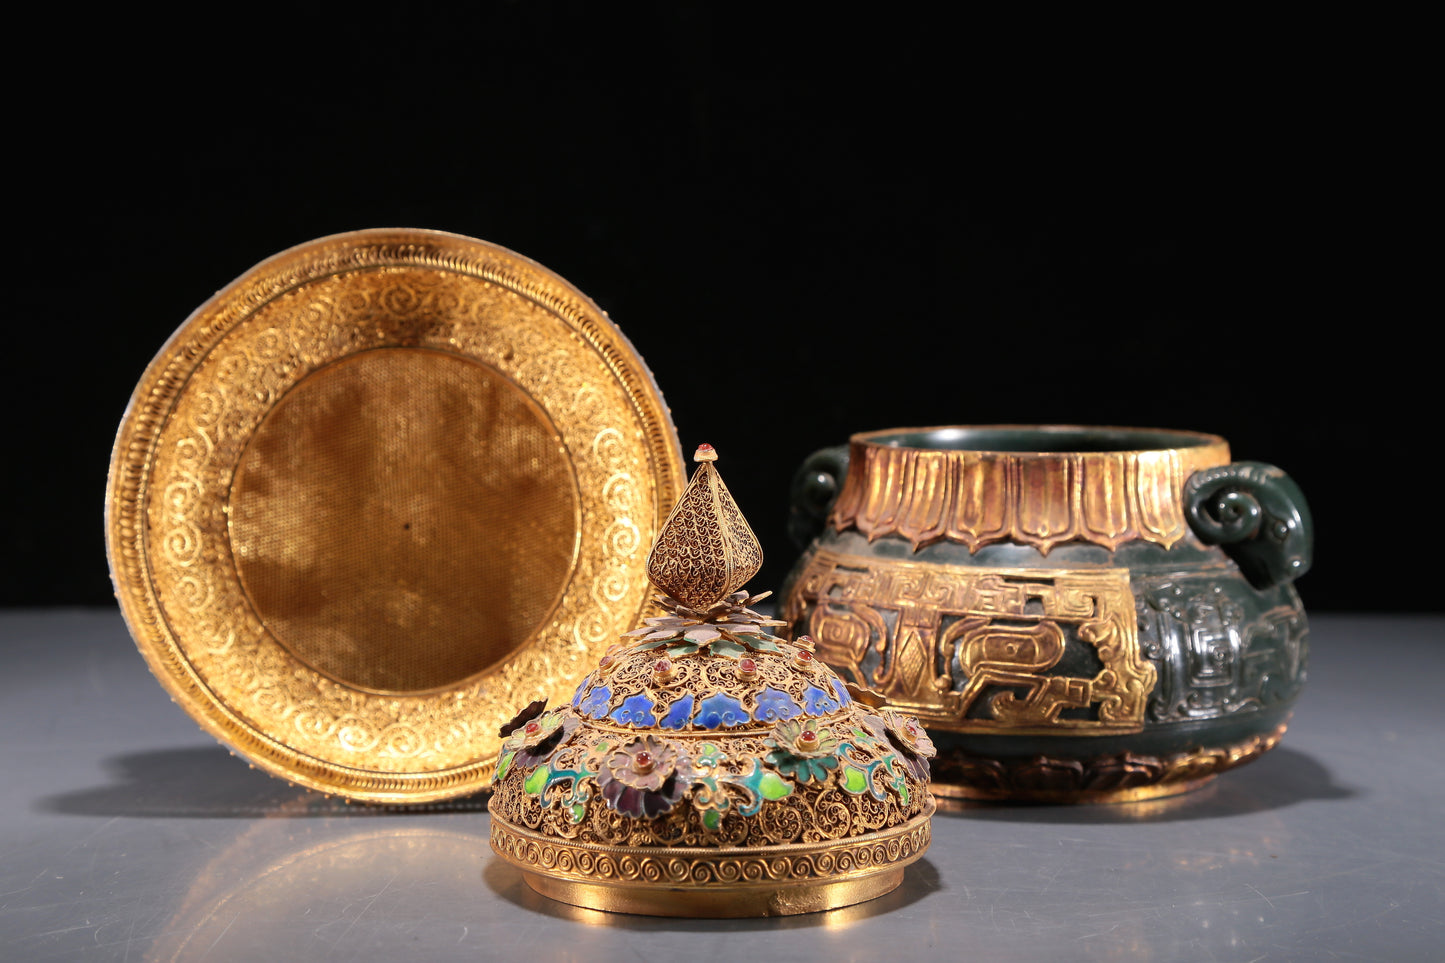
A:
(1258, 515)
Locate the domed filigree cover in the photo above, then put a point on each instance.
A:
(709, 768)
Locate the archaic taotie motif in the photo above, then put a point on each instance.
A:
(1217, 654)
(707, 767)
(990, 651)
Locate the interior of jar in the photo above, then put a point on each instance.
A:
(1037, 438)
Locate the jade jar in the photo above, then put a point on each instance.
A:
(1076, 613)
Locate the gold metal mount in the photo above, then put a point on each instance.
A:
(726, 882)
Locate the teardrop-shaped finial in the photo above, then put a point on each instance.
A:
(705, 550)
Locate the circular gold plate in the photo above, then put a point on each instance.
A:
(378, 493)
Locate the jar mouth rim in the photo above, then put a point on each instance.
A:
(1037, 439)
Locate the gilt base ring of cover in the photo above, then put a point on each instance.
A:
(719, 882)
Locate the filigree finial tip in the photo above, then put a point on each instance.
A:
(705, 452)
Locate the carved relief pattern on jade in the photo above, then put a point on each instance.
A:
(1220, 647)
(982, 650)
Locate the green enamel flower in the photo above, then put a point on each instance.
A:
(802, 749)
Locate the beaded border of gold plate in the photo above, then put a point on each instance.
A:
(201, 403)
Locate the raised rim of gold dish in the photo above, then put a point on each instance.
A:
(333, 485)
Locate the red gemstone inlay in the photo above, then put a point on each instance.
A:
(704, 447)
(662, 665)
(747, 666)
(643, 758)
(532, 728)
(605, 661)
(805, 656)
(809, 735)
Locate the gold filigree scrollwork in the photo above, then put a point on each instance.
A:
(705, 550)
(990, 650)
(721, 868)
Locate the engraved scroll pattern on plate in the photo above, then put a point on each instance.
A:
(248, 371)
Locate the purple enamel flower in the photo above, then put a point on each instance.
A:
(535, 739)
(907, 735)
(532, 711)
(645, 777)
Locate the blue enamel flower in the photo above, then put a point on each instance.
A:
(774, 705)
(636, 710)
(594, 704)
(678, 714)
(816, 702)
(719, 710)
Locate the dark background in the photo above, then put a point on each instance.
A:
(807, 228)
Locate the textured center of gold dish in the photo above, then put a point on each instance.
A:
(404, 519)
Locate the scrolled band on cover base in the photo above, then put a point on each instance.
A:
(724, 883)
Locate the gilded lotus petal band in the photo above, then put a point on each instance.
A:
(978, 498)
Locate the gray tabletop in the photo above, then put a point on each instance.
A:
(127, 834)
